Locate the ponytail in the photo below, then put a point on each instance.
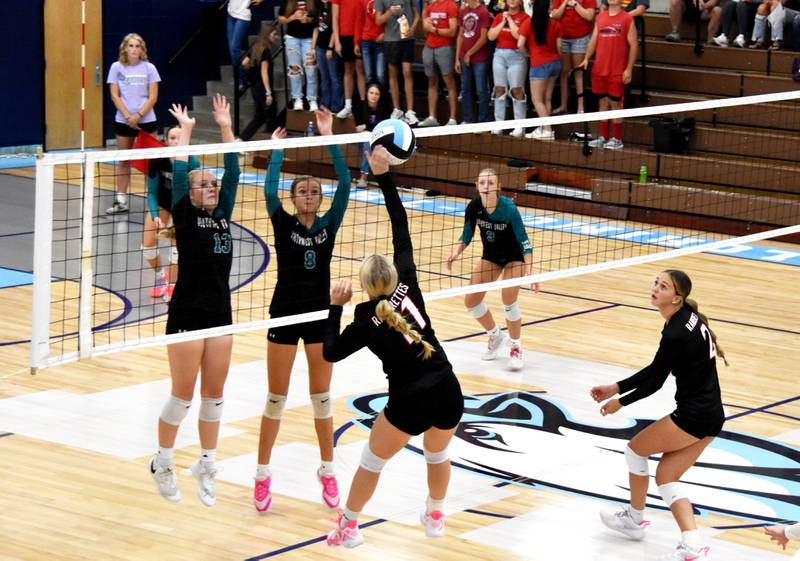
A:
(694, 307)
(394, 320)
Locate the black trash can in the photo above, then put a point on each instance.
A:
(670, 135)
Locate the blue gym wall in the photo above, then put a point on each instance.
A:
(22, 66)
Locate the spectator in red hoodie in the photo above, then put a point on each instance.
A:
(369, 44)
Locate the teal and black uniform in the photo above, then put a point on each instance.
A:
(502, 232)
(304, 255)
(159, 183)
(202, 296)
(423, 393)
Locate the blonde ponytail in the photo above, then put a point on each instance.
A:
(394, 320)
(695, 308)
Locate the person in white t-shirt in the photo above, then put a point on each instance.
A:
(238, 23)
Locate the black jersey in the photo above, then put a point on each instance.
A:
(205, 246)
(159, 183)
(686, 350)
(304, 255)
(403, 364)
(502, 231)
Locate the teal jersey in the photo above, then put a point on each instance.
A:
(502, 231)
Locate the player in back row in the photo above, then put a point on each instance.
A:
(506, 251)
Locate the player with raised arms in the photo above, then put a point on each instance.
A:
(424, 394)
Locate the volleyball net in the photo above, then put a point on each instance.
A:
(584, 209)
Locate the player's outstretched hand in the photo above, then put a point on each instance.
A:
(777, 534)
(610, 407)
(341, 293)
(222, 111)
(378, 159)
(602, 393)
(278, 133)
(181, 114)
(324, 121)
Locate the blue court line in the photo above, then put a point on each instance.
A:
(492, 514)
(12, 277)
(16, 234)
(5, 434)
(542, 221)
(308, 542)
(775, 413)
(763, 408)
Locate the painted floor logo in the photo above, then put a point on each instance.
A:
(528, 439)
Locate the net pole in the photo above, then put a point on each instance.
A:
(87, 271)
(42, 264)
(83, 75)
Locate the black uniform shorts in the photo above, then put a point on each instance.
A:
(698, 428)
(439, 406)
(310, 332)
(122, 129)
(179, 321)
(503, 259)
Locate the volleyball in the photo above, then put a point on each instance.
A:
(397, 137)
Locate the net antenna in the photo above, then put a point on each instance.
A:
(91, 283)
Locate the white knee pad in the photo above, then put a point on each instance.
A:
(478, 311)
(512, 312)
(150, 253)
(673, 491)
(173, 255)
(370, 461)
(637, 465)
(175, 410)
(274, 406)
(321, 403)
(436, 457)
(211, 409)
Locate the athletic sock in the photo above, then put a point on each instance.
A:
(691, 537)
(165, 457)
(208, 457)
(636, 514)
(432, 504)
(326, 469)
(494, 331)
(347, 516)
(263, 471)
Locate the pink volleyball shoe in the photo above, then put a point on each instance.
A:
(330, 489)
(262, 497)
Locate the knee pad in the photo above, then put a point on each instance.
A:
(175, 410)
(321, 403)
(478, 311)
(436, 457)
(512, 312)
(370, 461)
(637, 465)
(211, 409)
(173, 255)
(150, 253)
(274, 406)
(673, 491)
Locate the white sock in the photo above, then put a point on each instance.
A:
(263, 471)
(432, 504)
(636, 515)
(494, 331)
(208, 456)
(347, 516)
(691, 537)
(326, 469)
(348, 103)
(516, 343)
(122, 198)
(165, 457)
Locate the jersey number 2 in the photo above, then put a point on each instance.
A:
(712, 350)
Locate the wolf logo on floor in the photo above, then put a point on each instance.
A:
(530, 440)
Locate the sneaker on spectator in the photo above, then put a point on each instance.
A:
(348, 536)
(160, 286)
(433, 522)
(673, 37)
(540, 134)
(117, 208)
(740, 41)
(298, 104)
(497, 131)
(262, 497)
(397, 114)
(518, 132)
(451, 122)
(515, 358)
(686, 552)
(330, 488)
(429, 121)
(205, 475)
(345, 112)
(165, 480)
(721, 40)
(598, 142)
(411, 117)
(622, 522)
(361, 183)
(614, 144)
(313, 105)
(494, 345)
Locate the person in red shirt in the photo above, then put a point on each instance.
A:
(542, 38)
(472, 54)
(369, 44)
(614, 39)
(345, 15)
(509, 65)
(439, 20)
(576, 18)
